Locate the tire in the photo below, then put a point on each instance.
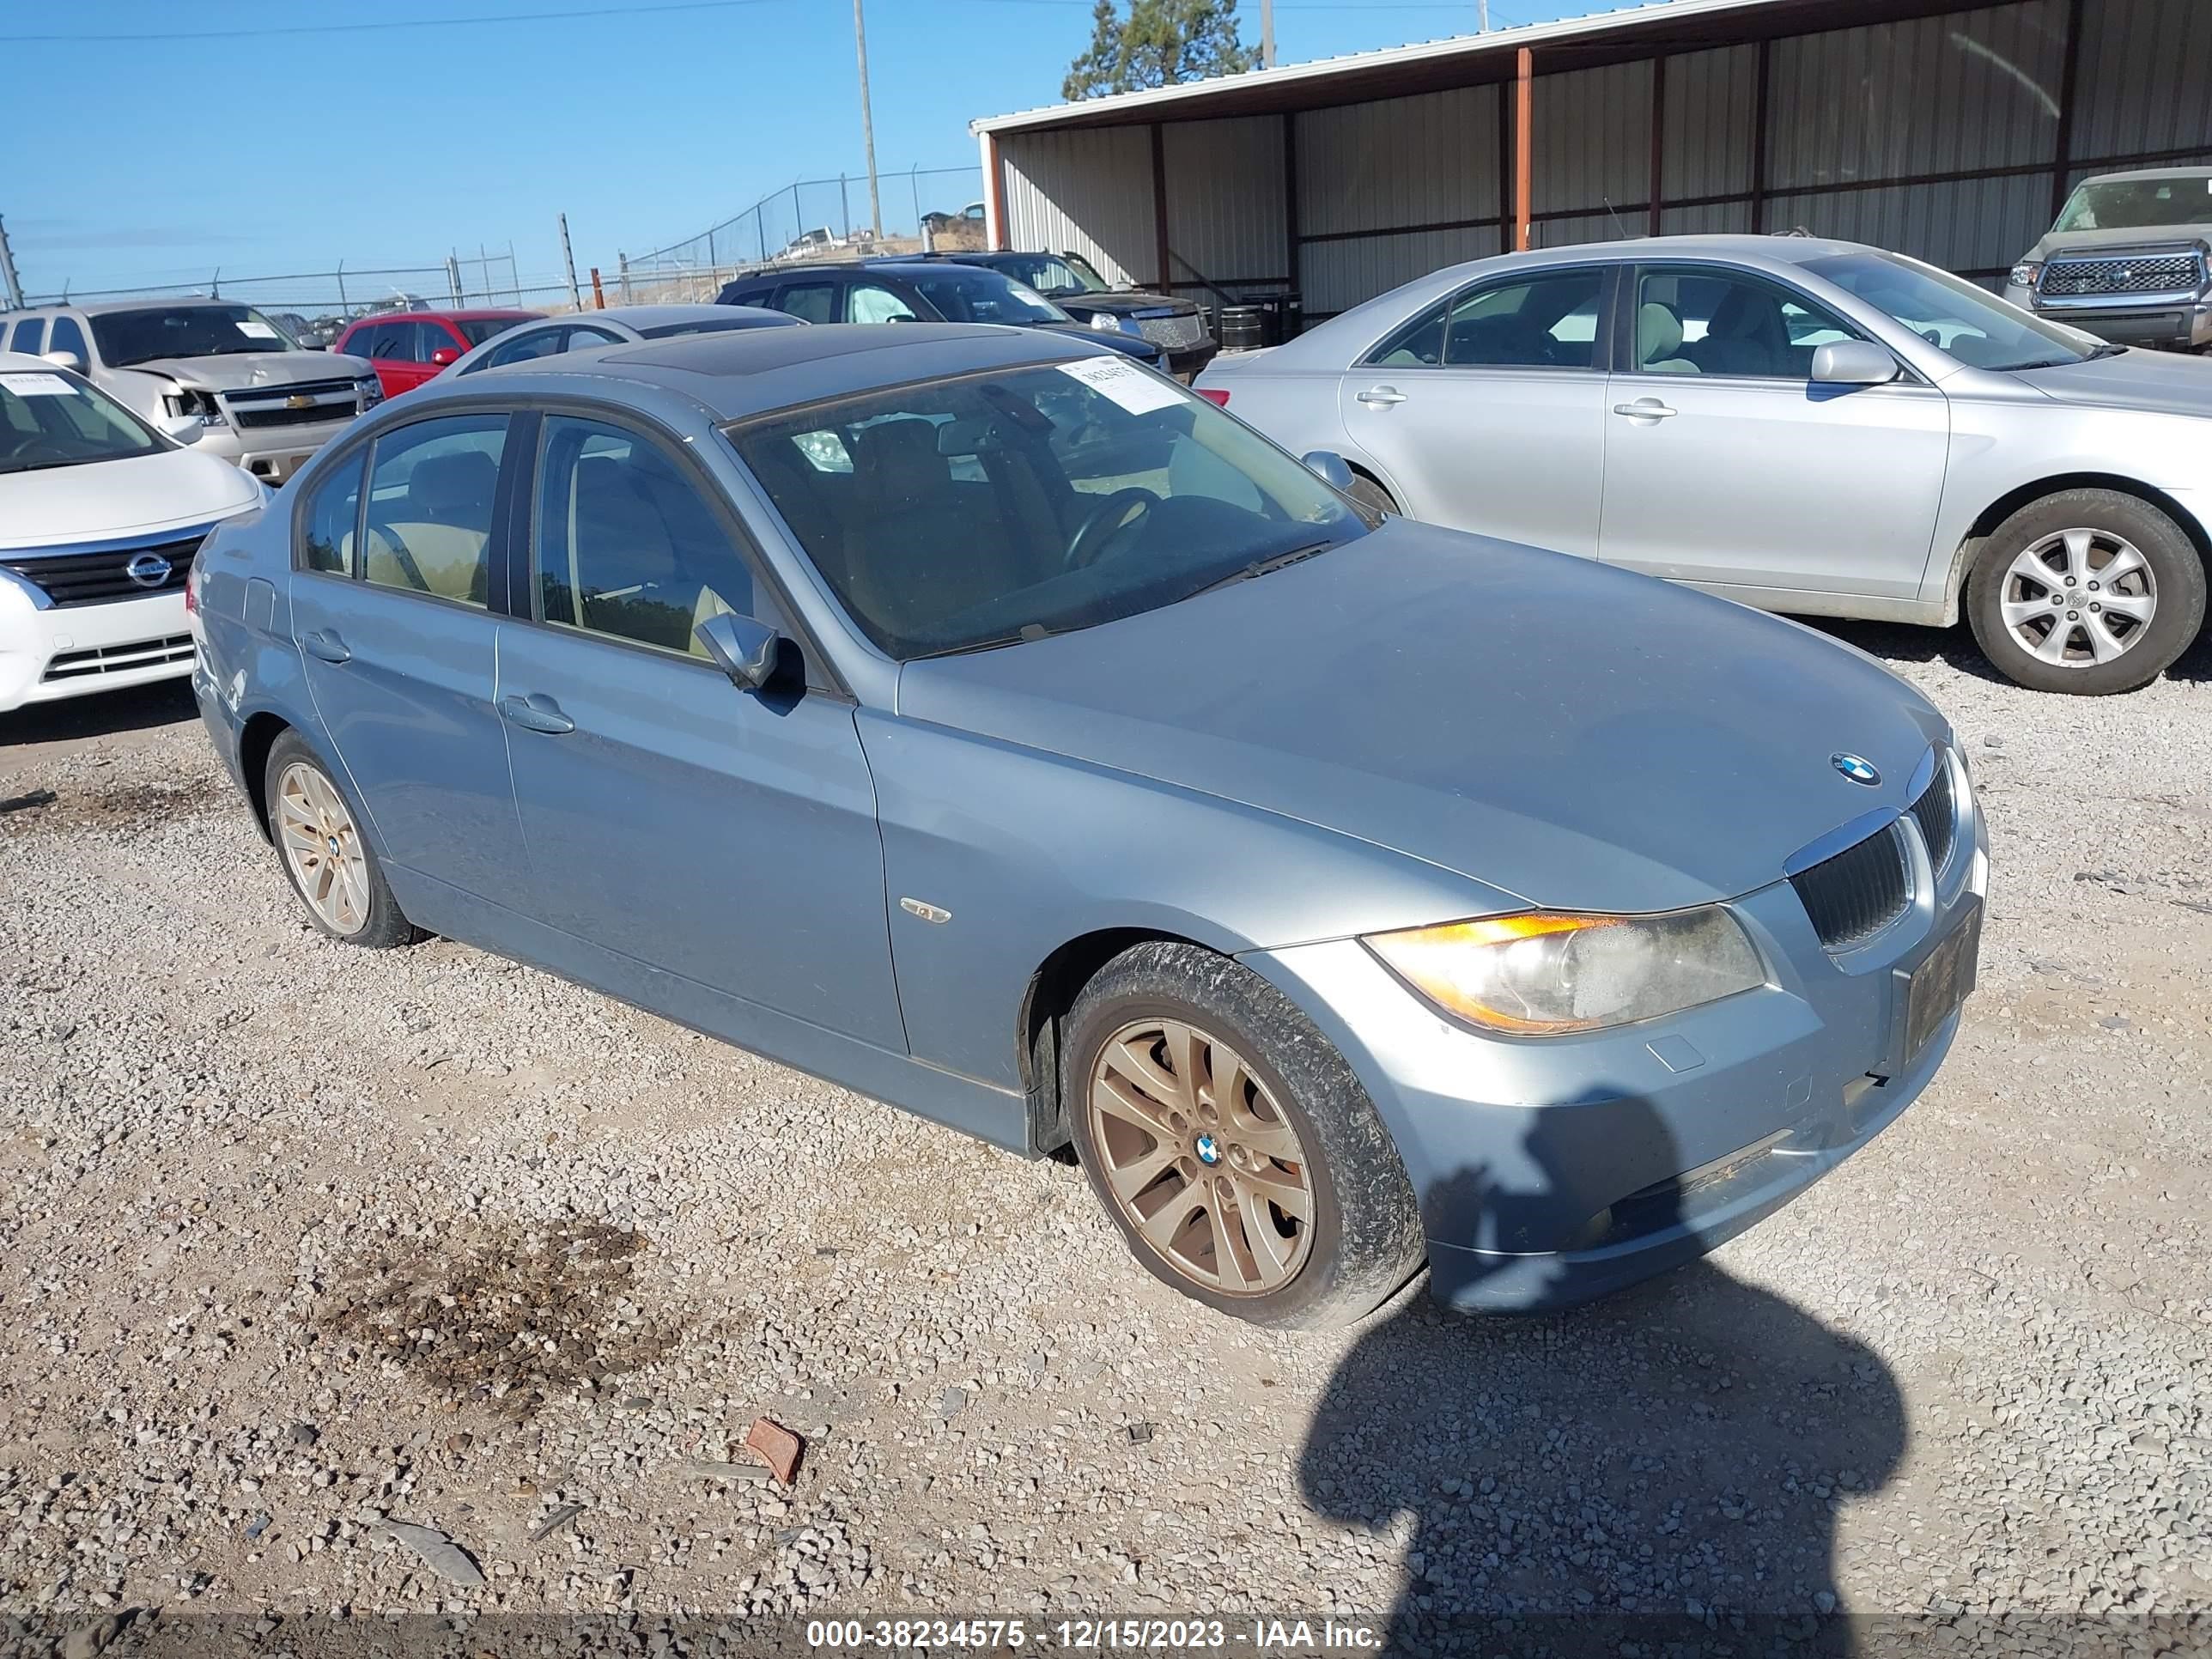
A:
(1360, 1239)
(2076, 536)
(1368, 493)
(345, 895)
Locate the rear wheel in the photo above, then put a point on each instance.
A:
(2087, 590)
(1231, 1143)
(329, 863)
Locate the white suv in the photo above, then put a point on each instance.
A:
(266, 403)
(100, 517)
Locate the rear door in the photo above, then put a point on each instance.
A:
(1486, 411)
(1726, 465)
(390, 611)
(726, 837)
(404, 348)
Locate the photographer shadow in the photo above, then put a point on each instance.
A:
(1657, 1471)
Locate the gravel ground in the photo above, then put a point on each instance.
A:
(296, 1240)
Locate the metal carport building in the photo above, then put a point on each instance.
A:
(1950, 132)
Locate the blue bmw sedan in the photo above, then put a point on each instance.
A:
(980, 721)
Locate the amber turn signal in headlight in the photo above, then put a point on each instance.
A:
(1540, 973)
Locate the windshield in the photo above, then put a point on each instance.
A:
(963, 294)
(476, 330)
(2128, 204)
(1971, 323)
(1087, 273)
(49, 418)
(1048, 273)
(982, 510)
(199, 331)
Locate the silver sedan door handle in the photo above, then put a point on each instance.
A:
(1380, 396)
(1644, 408)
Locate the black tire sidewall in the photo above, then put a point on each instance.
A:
(386, 925)
(2176, 565)
(1357, 1256)
(1368, 493)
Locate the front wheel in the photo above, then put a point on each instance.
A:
(1233, 1145)
(2087, 590)
(1368, 493)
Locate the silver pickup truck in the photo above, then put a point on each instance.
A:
(2127, 260)
(209, 372)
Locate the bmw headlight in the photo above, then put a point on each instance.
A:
(369, 389)
(1540, 974)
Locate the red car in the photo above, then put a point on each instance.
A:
(409, 347)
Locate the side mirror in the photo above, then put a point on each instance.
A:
(185, 428)
(68, 360)
(1331, 468)
(444, 357)
(1853, 362)
(742, 647)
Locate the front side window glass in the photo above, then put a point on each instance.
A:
(982, 510)
(626, 545)
(536, 342)
(326, 537)
(1547, 321)
(1725, 323)
(68, 337)
(963, 294)
(867, 303)
(431, 488)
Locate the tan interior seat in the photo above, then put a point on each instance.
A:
(444, 527)
(1659, 340)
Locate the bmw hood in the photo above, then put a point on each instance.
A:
(240, 371)
(99, 500)
(1582, 737)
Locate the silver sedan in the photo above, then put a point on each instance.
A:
(1810, 427)
(614, 325)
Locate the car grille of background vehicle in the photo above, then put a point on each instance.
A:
(120, 658)
(1937, 815)
(2159, 273)
(267, 406)
(1862, 890)
(1173, 332)
(97, 577)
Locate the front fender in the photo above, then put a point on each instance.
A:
(1013, 853)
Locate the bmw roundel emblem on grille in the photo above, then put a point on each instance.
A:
(1208, 1150)
(1857, 768)
(148, 570)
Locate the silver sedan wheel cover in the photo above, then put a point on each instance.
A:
(1201, 1159)
(2078, 597)
(322, 848)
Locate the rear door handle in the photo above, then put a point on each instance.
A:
(1380, 396)
(328, 646)
(535, 713)
(1644, 408)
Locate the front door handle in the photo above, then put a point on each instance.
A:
(328, 646)
(535, 713)
(1644, 408)
(1380, 396)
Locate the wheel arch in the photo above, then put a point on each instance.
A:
(255, 740)
(1051, 992)
(1986, 522)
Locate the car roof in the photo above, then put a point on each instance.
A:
(481, 314)
(2149, 172)
(746, 372)
(644, 316)
(152, 302)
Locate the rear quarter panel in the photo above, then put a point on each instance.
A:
(248, 663)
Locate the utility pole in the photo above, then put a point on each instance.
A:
(1482, 16)
(568, 258)
(15, 290)
(867, 122)
(1267, 34)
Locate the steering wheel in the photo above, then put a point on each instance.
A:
(1117, 512)
(13, 444)
(399, 553)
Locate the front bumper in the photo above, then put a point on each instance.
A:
(2169, 325)
(271, 454)
(71, 651)
(1552, 1171)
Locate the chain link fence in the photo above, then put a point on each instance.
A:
(810, 218)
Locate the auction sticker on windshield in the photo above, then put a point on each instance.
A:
(37, 386)
(257, 331)
(1124, 382)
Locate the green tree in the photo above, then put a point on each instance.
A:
(1157, 44)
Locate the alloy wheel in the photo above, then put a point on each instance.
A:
(2077, 598)
(1200, 1158)
(322, 848)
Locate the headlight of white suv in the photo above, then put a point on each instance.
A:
(369, 389)
(1541, 974)
(205, 405)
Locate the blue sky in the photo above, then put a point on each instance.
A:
(264, 152)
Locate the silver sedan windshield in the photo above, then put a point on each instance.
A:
(1970, 323)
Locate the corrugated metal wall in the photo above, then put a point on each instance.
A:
(1869, 132)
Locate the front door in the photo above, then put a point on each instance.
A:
(1486, 412)
(723, 835)
(389, 615)
(1728, 466)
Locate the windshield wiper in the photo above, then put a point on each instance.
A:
(1022, 636)
(1262, 567)
(2110, 349)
